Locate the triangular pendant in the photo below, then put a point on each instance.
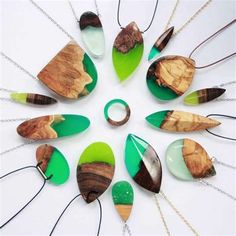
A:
(127, 51)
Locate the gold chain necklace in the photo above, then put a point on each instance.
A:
(163, 40)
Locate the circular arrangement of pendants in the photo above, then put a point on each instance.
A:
(71, 74)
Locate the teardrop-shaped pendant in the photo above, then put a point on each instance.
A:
(180, 121)
(53, 164)
(161, 43)
(188, 160)
(95, 170)
(170, 77)
(71, 73)
(92, 33)
(53, 126)
(203, 95)
(143, 163)
(127, 51)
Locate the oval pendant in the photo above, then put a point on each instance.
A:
(161, 43)
(188, 160)
(95, 170)
(71, 73)
(203, 96)
(123, 197)
(170, 77)
(53, 164)
(180, 121)
(53, 126)
(143, 163)
(32, 98)
(127, 51)
(92, 33)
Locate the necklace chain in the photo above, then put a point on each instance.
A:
(13, 120)
(126, 228)
(223, 163)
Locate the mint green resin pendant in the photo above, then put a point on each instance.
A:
(127, 51)
(143, 163)
(53, 126)
(188, 160)
(53, 164)
(95, 170)
(123, 197)
(92, 33)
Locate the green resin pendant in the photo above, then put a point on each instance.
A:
(53, 164)
(95, 170)
(53, 126)
(180, 121)
(127, 51)
(123, 197)
(92, 33)
(143, 163)
(203, 96)
(188, 160)
(32, 98)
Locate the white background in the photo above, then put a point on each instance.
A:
(32, 40)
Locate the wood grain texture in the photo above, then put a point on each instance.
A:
(89, 19)
(163, 40)
(206, 95)
(43, 155)
(124, 211)
(39, 99)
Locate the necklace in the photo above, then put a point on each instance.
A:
(91, 31)
(128, 47)
(170, 76)
(169, 32)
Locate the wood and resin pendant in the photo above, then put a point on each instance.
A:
(53, 126)
(188, 160)
(95, 170)
(170, 77)
(92, 33)
(161, 43)
(143, 163)
(127, 51)
(180, 121)
(71, 73)
(203, 96)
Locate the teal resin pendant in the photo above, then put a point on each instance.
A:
(92, 33)
(127, 51)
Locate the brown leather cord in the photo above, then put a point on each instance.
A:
(211, 37)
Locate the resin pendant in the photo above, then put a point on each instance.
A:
(188, 160)
(71, 73)
(32, 98)
(127, 51)
(53, 126)
(142, 163)
(180, 121)
(169, 77)
(123, 197)
(53, 164)
(92, 33)
(203, 96)
(161, 43)
(95, 170)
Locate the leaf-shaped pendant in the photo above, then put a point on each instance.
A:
(180, 121)
(203, 96)
(53, 126)
(188, 160)
(53, 164)
(32, 98)
(95, 170)
(71, 73)
(92, 33)
(169, 77)
(123, 197)
(127, 51)
(143, 163)
(160, 43)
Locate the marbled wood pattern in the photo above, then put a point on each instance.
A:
(197, 160)
(65, 74)
(173, 72)
(93, 179)
(89, 19)
(208, 94)
(124, 211)
(43, 156)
